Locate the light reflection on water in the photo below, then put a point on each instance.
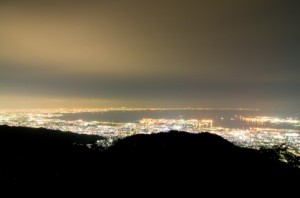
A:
(221, 118)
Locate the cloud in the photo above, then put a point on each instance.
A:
(149, 51)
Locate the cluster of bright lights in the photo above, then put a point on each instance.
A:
(98, 110)
(272, 120)
(253, 137)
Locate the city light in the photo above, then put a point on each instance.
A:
(260, 135)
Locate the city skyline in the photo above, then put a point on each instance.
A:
(238, 126)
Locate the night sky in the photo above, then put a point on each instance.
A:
(213, 53)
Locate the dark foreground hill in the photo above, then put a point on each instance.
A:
(45, 156)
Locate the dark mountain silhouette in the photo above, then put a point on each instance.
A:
(40, 155)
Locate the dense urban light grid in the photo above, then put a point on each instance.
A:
(252, 137)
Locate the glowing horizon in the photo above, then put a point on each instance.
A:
(149, 53)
